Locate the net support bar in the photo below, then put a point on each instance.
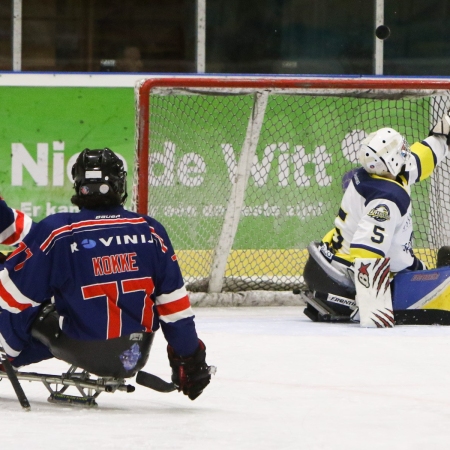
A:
(379, 43)
(17, 35)
(236, 202)
(201, 36)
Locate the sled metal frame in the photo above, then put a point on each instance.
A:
(88, 388)
(324, 313)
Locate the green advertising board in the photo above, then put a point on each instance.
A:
(42, 129)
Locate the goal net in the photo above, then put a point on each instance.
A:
(244, 172)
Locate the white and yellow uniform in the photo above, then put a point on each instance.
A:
(375, 219)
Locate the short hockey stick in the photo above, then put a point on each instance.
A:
(158, 384)
(12, 376)
(153, 382)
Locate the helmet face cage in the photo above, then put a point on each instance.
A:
(384, 152)
(99, 172)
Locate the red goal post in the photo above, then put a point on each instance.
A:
(245, 171)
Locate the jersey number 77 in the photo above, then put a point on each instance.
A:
(110, 290)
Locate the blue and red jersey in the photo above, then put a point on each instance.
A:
(109, 272)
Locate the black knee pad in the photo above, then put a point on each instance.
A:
(318, 280)
(443, 257)
(45, 327)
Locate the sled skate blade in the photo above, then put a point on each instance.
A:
(72, 400)
(319, 311)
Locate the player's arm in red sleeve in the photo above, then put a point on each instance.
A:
(186, 352)
(171, 298)
(14, 224)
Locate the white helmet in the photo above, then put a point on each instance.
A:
(384, 151)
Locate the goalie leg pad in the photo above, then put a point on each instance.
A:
(373, 292)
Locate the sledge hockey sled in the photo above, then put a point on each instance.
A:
(418, 298)
(88, 388)
(113, 361)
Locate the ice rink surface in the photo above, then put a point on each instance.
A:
(283, 382)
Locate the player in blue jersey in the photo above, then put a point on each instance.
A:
(375, 218)
(113, 279)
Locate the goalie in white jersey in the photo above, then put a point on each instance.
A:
(375, 218)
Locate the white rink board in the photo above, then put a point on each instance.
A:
(283, 382)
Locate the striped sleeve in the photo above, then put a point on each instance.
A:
(14, 225)
(11, 298)
(425, 156)
(174, 306)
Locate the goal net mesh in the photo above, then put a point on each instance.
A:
(244, 179)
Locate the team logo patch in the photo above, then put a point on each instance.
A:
(408, 248)
(130, 357)
(136, 337)
(380, 213)
(88, 243)
(363, 275)
(323, 248)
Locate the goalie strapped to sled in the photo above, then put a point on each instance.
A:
(418, 297)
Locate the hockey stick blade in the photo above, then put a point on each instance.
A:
(12, 376)
(153, 382)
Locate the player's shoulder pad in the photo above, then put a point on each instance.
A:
(373, 188)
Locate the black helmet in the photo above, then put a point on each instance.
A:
(98, 172)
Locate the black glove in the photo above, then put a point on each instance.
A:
(442, 128)
(190, 374)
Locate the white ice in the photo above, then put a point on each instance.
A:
(282, 382)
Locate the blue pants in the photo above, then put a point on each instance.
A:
(16, 332)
